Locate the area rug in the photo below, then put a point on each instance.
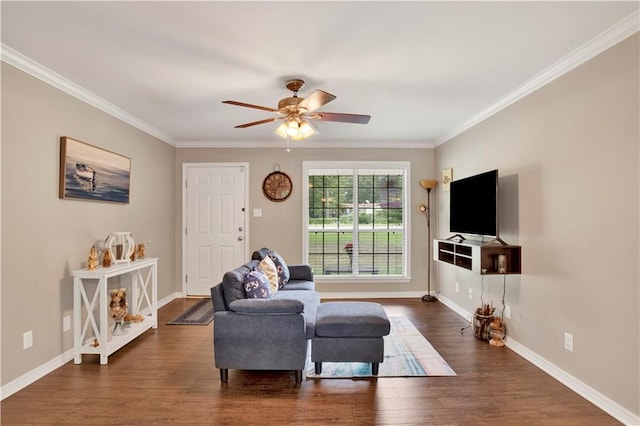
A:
(406, 354)
(201, 313)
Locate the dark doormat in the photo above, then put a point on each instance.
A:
(201, 313)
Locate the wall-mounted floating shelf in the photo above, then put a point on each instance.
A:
(481, 258)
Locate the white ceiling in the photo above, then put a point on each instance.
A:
(424, 71)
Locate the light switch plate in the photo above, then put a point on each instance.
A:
(27, 340)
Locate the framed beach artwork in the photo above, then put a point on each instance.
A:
(91, 173)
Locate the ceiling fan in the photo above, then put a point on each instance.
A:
(297, 113)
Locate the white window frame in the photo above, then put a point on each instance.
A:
(398, 165)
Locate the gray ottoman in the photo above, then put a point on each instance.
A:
(349, 332)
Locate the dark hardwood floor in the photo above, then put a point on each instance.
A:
(166, 376)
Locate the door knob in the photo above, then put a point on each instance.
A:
(240, 228)
(240, 238)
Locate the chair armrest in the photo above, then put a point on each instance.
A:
(300, 272)
(267, 306)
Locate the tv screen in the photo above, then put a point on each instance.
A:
(473, 205)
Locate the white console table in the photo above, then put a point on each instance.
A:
(90, 297)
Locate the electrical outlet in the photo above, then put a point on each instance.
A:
(568, 341)
(66, 323)
(27, 340)
(470, 294)
(507, 311)
(457, 287)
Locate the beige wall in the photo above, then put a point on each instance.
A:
(280, 226)
(568, 160)
(44, 238)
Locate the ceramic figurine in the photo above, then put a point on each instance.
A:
(497, 333)
(141, 251)
(92, 262)
(106, 258)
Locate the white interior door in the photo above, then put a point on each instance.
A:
(215, 224)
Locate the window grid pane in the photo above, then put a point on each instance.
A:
(330, 252)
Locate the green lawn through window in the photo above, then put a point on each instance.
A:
(380, 253)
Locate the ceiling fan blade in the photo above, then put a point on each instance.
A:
(255, 123)
(315, 100)
(343, 118)
(242, 104)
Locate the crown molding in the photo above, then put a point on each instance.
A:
(282, 144)
(610, 37)
(617, 33)
(33, 68)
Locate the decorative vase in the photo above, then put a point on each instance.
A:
(121, 246)
(118, 309)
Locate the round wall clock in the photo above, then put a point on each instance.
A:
(277, 186)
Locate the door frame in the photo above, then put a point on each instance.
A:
(183, 185)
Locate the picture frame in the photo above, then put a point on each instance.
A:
(91, 173)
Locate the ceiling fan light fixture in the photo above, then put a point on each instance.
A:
(296, 129)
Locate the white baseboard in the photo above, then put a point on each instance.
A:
(455, 308)
(596, 398)
(57, 362)
(35, 374)
(169, 298)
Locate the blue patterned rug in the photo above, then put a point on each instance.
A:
(406, 354)
(200, 313)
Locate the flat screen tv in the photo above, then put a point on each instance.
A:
(474, 205)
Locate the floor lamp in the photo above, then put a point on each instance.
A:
(428, 185)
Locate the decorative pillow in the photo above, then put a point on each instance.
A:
(281, 267)
(256, 285)
(267, 266)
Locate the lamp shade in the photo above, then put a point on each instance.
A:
(282, 130)
(428, 183)
(296, 129)
(307, 129)
(293, 129)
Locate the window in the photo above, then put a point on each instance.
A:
(356, 219)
